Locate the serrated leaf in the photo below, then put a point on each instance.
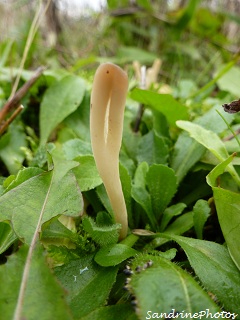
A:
(59, 255)
(201, 212)
(28, 206)
(215, 269)
(88, 285)
(165, 288)
(162, 185)
(103, 235)
(60, 100)
(86, 173)
(40, 198)
(41, 287)
(165, 103)
(114, 254)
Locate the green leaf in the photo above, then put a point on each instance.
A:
(60, 254)
(170, 213)
(7, 236)
(165, 103)
(76, 147)
(207, 138)
(201, 212)
(164, 288)
(10, 148)
(43, 299)
(126, 182)
(102, 234)
(130, 141)
(218, 170)
(187, 15)
(86, 173)
(40, 198)
(119, 311)
(162, 185)
(211, 141)
(152, 149)
(88, 285)
(55, 230)
(102, 195)
(140, 194)
(114, 254)
(228, 211)
(23, 175)
(227, 202)
(188, 151)
(60, 100)
(215, 268)
(78, 122)
(181, 225)
(230, 81)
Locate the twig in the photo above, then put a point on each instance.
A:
(15, 100)
(232, 136)
(10, 120)
(139, 117)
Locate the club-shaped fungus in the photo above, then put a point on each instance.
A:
(108, 99)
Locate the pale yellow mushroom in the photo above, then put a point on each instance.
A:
(108, 99)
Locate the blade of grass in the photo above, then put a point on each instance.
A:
(32, 32)
(215, 79)
(229, 127)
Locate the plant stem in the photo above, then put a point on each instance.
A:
(16, 98)
(130, 240)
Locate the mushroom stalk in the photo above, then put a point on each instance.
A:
(108, 99)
